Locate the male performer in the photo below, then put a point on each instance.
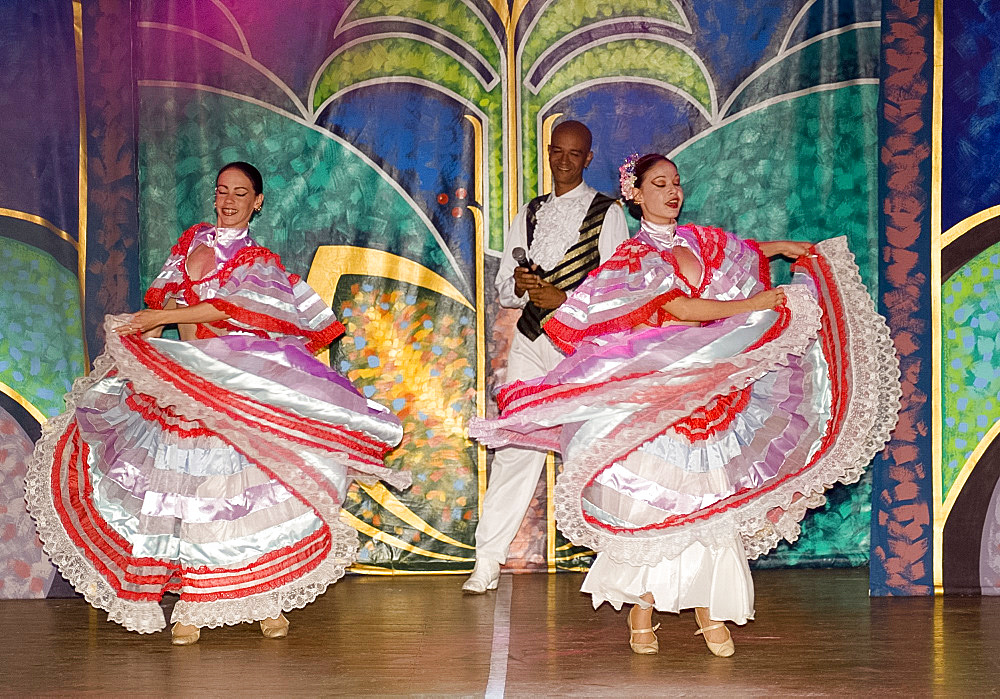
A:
(565, 235)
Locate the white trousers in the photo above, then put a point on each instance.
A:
(515, 472)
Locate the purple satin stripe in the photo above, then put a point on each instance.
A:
(194, 509)
(250, 349)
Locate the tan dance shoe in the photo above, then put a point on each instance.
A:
(644, 648)
(274, 628)
(182, 635)
(724, 649)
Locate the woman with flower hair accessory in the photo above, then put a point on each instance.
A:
(213, 466)
(700, 411)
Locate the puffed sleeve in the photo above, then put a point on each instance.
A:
(258, 294)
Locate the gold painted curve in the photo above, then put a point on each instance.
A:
(23, 402)
(379, 535)
(39, 221)
(967, 224)
(331, 262)
(941, 516)
(380, 494)
(546, 140)
(334, 261)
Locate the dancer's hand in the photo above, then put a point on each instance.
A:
(787, 248)
(767, 300)
(141, 322)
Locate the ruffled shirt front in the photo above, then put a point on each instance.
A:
(558, 228)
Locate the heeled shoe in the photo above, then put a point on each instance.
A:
(646, 647)
(184, 637)
(274, 628)
(722, 650)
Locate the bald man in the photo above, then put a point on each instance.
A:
(566, 234)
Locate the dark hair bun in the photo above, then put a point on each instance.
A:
(252, 173)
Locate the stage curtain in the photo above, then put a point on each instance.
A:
(68, 231)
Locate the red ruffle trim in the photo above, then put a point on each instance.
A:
(831, 336)
(628, 255)
(86, 523)
(519, 389)
(715, 416)
(183, 243)
(249, 410)
(248, 256)
(565, 337)
(316, 339)
(712, 242)
(763, 263)
(167, 419)
(155, 297)
(91, 533)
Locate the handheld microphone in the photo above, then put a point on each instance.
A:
(522, 260)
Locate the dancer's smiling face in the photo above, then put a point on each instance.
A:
(235, 199)
(660, 194)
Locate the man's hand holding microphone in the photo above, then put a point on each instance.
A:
(528, 278)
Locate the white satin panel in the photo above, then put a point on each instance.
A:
(717, 578)
(273, 393)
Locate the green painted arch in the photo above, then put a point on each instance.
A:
(814, 178)
(393, 57)
(561, 17)
(453, 16)
(623, 59)
(420, 62)
(41, 345)
(831, 60)
(663, 62)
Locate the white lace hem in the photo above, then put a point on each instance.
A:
(270, 604)
(147, 616)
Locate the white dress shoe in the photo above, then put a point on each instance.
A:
(485, 576)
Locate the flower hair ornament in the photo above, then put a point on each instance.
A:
(627, 177)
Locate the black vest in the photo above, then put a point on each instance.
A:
(581, 258)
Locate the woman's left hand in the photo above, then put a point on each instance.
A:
(141, 322)
(788, 248)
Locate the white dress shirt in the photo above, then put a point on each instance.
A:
(571, 208)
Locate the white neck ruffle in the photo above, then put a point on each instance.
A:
(664, 234)
(559, 220)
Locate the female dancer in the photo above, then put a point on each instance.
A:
(214, 466)
(701, 412)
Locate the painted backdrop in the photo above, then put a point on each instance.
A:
(397, 139)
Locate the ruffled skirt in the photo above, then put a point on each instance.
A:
(680, 440)
(214, 469)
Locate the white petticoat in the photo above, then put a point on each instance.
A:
(716, 577)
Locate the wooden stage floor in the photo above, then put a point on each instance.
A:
(817, 633)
